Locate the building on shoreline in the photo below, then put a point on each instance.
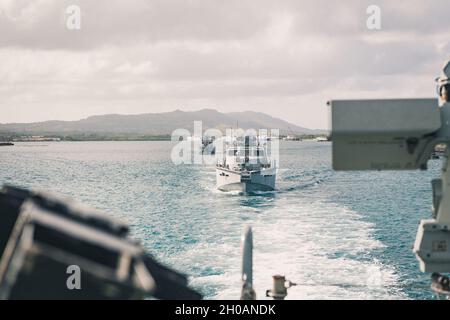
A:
(35, 139)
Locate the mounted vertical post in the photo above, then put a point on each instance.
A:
(247, 266)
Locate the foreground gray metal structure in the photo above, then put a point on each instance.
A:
(401, 134)
(43, 237)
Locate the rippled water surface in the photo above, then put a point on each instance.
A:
(337, 234)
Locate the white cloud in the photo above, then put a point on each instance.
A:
(145, 67)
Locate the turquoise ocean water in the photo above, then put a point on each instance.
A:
(337, 234)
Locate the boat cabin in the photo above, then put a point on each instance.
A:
(251, 158)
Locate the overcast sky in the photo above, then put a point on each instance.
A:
(284, 58)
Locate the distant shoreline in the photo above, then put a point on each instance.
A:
(19, 137)
(18, 141)
(152, 140)
(81, 137)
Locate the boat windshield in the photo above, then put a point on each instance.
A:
(253, 152)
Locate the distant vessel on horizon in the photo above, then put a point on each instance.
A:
(4, 144)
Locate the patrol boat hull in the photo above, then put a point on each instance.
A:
(245, 181)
